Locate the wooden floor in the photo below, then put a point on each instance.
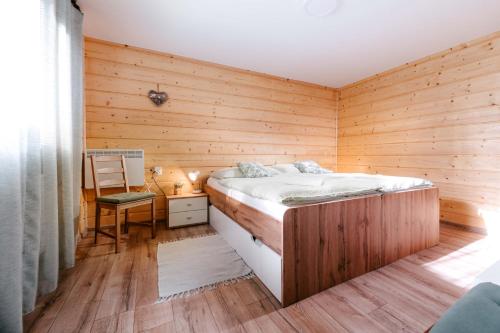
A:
(107, 292)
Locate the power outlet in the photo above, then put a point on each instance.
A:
(157, 170)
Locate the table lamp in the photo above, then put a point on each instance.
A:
(193, 176)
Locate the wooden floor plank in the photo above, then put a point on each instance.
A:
(239, 308)
(395, 297)
(116, 290)
(125, 322)
(78, 312)
(224, 318)
(192, 314)
(49, 306)
(391, 322)
(154, 316)
(360, 299)
(307, 316)
(280, 323)
(414, 323)
(345, 314)
(260, 310)
(108, 292)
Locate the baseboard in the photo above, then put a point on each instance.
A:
(468, 228)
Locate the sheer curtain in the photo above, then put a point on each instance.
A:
(40, 164)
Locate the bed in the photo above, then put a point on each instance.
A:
(300, 248)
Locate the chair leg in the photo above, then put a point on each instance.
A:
(126, 222)
(153, 221)
(97, 220)
(117, 225)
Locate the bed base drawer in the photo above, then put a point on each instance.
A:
(265, 263)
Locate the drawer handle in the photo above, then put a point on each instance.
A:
(188, 218)
(189, 205)
(256, 241)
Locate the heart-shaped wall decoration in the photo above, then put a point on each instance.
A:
(158, 97)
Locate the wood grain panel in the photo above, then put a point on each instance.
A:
(332, 255)
(215, 117)
(131, 80)
(405, 217)
(435, 118)
(329, 243)
(157, 60)
(363, 235)
(259, 225)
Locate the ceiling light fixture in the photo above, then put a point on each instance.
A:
(320, 8)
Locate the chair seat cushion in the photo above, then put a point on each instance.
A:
(120, 198)
(476, 311)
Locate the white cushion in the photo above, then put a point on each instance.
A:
(285, 168)
(256, 170)
(310, 166)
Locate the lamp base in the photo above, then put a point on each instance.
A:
(196, 191)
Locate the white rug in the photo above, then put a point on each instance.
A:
(190, 265)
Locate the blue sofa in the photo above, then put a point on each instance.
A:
(477, 311)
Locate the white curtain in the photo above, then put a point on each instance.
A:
(40, 166)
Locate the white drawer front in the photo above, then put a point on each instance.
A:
(182, 205)
(187, 218)
(265, 263)
(270, 270)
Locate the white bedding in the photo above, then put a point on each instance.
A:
(293, 189)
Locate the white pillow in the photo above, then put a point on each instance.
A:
(306, 163)
(311, 167)
(285, 168)
(256, 170)
(227, 173)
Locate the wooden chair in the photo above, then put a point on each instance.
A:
(120, 201)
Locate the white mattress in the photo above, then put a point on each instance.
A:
(266, 194)
(273, 209)
(305, 188)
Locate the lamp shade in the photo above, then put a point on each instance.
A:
(193, 175)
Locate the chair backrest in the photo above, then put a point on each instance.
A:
(96, 173)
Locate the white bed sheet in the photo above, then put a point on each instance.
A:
(273, 209)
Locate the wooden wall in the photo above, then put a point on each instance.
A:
(215, 115)
(436, 118)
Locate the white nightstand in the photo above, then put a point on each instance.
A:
(187, 209)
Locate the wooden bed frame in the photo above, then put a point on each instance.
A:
(325, 244)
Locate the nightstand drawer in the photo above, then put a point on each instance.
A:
(187, 218)
(187, 204)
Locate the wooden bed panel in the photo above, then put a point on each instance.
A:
(216, 198)
(331, 251)
(406, 226)
(325, 244)
(307, 234)
(362, 235)
(261, 226)
(329, 243)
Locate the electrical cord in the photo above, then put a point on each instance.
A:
(153, 174)
(156, 182)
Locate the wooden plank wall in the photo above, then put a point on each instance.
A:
(215, 115)
(436, 118)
